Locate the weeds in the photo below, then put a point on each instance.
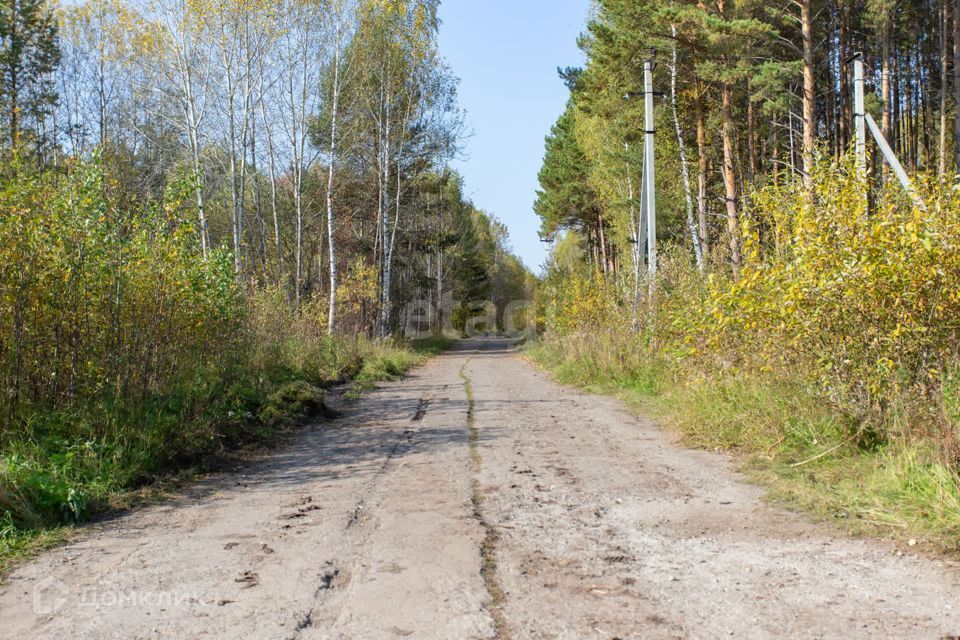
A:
(66, 465)
(829, 363)
(389, 361)
(896, 487)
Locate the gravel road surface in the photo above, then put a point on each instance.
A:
(477, 499)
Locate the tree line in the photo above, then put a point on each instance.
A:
(749, 93)
(312, 137)
(803, 311)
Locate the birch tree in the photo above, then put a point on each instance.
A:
(682, 149)
(179, 68)
(342, 13)
(299, 97)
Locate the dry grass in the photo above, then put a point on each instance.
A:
(810, 454)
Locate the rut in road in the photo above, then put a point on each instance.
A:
(488, 548)
(477, 499)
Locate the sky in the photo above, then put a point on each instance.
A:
(506, 54)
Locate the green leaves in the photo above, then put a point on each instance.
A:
(29, 53)
(565, 199)
(93, 285)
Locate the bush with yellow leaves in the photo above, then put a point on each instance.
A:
(861, 302)
(830, 362)
(866, 300)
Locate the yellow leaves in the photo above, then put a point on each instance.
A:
(420, 21)
(108, 28)
(148, 40)
(386, 7)
(584, 302)
(390, 6)
(872, 301)
(357, 289)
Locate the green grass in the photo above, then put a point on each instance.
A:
(432, 346)
(786, 436)
(390, 361)
(18, 546)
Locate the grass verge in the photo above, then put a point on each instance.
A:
(391, 361)
(787, 437)
(66, 468)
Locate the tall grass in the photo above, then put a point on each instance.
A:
(60, 464)
(829, 363)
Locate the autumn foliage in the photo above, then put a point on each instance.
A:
(860, 302)
(126, 353)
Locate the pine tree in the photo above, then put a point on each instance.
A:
(565, 199)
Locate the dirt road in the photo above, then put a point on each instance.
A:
(477, 499)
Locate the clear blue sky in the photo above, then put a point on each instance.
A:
(506, 53)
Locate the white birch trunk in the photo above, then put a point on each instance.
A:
(684, 167)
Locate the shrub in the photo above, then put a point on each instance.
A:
(856, 307)
(125, 352)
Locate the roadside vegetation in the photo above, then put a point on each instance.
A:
(829, 364)
(804, 313)
(127, 355)
(210, 214)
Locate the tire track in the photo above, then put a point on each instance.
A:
(339, 578)
(488, 547)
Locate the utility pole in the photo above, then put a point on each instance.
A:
(863, 120)
(859, 112)
(650, 181)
